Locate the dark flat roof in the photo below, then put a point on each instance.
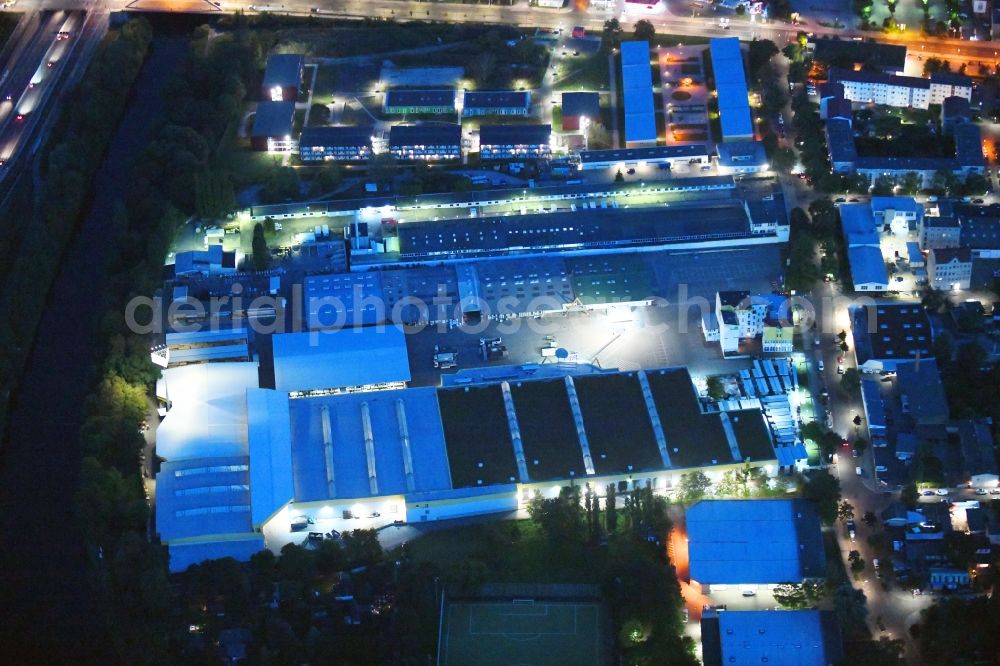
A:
(476, 432)
(427, 134)
(335, 136)
(892, 332)
(618, 428)
(693, 438)
(497, 99)
(629, 154)
(581, 104)
(548, 432)
(273, 119)
(420, 98)
(633, 227)
(508, 135)
(283, 69)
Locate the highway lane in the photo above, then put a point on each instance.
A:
(33, 79)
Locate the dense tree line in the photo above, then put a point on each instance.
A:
(71, 159)
(172, 179)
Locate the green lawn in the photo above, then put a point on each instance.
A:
(528, 558)
(590, 73)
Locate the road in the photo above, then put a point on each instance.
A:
(33, 76)
(574, 14)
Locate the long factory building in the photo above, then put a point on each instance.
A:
(324, 432)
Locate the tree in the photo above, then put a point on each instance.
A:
(692, 486)
(883, 185)
(798, 595)
(845, 510)
(851, 608)
(612, 34)
(782, 160)
(857, 565)
(619, 177)
(910, 183)
(362, 547)
(561, 518)
(934, 300)
(823, 489)
(382, 168)
(850, 381)
(483, 66)
(261, 255)
(644, 30)
(760, 53)
(716, 389)
(909, 495)
(330, 557)
(611, 509)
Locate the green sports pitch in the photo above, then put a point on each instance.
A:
(522, 633)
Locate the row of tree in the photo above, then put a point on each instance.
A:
(173, 179)
(71, 159)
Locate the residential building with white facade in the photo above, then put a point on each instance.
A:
(900, 91)
(950, 269)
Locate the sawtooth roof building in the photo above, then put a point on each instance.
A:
(246, 467)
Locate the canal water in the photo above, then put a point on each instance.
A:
(47, 606)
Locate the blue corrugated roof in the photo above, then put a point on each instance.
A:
(858, 224)
(777, 638)
(269, 434)
(731, 86)
(637, 89)
(340, 358)
(184, 555)
(871, 395)
(908, 204)
(350, 462)
(867, 265)
(203, 497)
(754, 541)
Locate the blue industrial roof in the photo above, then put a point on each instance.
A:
(908, 204)
(731, 86)
(283, 69)
(269, 434)
(867, 265)
(203, 498)
(273, 119)
(637, 89)
(344, 300)
(183, 555)
(858, 224)
(754, 541)
(741, 154)
(340, 358)
(777, 638)
(871, 395)
(207, 417)
(920, 382)
(347, 424)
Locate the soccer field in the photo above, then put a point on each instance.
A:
(522, 633)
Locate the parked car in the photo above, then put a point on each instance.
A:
(942, 492)
(850, 529)
(316, 536)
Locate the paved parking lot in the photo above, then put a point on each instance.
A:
(628, 338)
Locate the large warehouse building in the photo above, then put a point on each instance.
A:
(731, 86)
(754, 542)
(247, 465)
(637, 89)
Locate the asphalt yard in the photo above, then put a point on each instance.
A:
(667, 333)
